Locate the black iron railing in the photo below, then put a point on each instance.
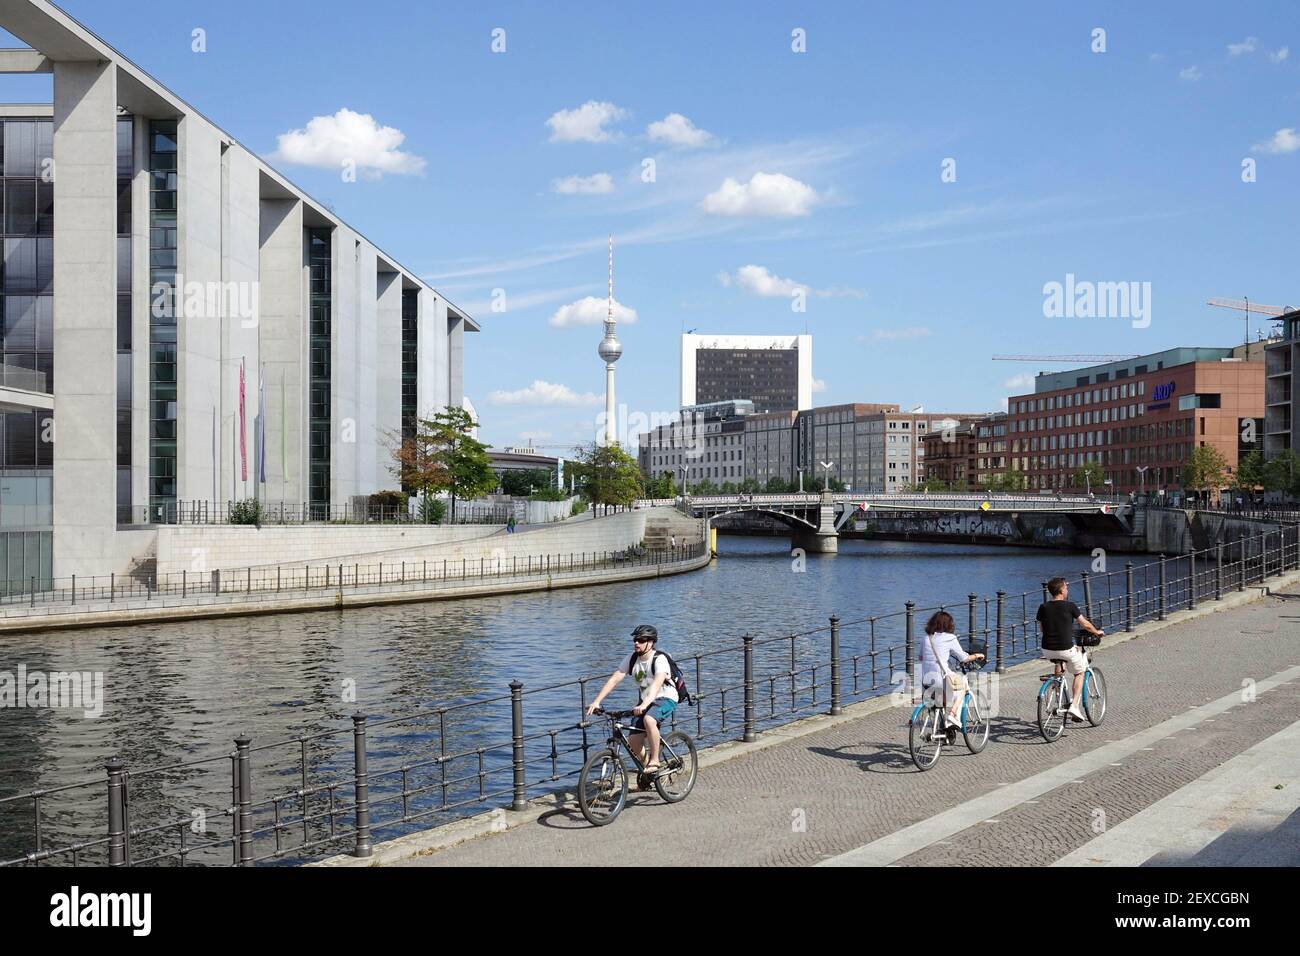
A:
(337, 790)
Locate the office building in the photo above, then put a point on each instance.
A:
(774, 372)
(201, 329)
(1281, 421)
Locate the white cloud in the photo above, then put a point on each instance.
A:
(1023, 380)
(590, 311)
(1283, 141)
(766, 194)
(1280, 55)
(818, 386)
(331, 141)
(1245, 46)
(544, 393)
(1155, 57)
(586, 124)
(584, 185)
(676, 130)
(1190, 73)
(757, 280)
(894, 335)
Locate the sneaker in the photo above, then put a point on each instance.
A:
(1075, 715)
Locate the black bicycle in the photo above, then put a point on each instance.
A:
(602, 785)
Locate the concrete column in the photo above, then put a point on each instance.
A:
(433, 386)
(282, 334)
(455, 360)
(85, 315)
(388, 378)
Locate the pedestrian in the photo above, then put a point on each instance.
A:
(673, 540)
(510, 525)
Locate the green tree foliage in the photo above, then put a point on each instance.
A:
(443, 457)
(606, 475)
(1206, 469)
(661, 487)
(1282, 473)
(776, 485)
(1090, 475)
(524, 482)
(1017, 481)
(1250, 474)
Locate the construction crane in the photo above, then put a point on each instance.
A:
(1245, 305)
(1094, 359)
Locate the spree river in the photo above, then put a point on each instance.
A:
(178, 692)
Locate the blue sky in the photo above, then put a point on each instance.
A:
(1123, 165)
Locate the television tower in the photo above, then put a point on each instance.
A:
(610, 350)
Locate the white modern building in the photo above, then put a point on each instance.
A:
(152, 263)
(772, 371)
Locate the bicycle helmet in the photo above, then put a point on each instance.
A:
(647, 631)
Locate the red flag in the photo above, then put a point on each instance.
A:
(243, 452)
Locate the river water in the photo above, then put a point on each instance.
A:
(179, 692)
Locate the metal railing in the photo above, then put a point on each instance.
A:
(88, 593)
(336, 790)
(295, 513)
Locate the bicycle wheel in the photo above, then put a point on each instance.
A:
(602, 787)
(1051, 713)
(975, 724)
(676, 779)
(1094, 696)
(923, 737)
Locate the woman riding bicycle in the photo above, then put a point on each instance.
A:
(940, 644)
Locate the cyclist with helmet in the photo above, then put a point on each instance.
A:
(653, 678)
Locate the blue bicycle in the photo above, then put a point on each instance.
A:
(928, 729)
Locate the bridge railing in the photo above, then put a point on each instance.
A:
(340, 788)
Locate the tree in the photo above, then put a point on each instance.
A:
(661, 487)
(1089, 475)
(607, 475)
(524, 482)
(1282, 473)
(776, 485)
(442, 456)
(704, 488)
(1016, 480)
(749, 486)
(1205, 470)
(1250, 474)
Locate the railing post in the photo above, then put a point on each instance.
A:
(1191, 579)
(183, 582)
(1160, 607)
(910, 644)
(244, 808)
(1087, 596)
(749, 735)
(1128, 596)
(116, 768)
(364, 847)
(1218, 572)
(74, 589)
(1002, 599)
(972, 625)
(112, 586)
(836, 709)
(1241, 570)
(520, 800)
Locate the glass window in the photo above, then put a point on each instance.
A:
(20, 207)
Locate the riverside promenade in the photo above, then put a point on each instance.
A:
(1197, 763)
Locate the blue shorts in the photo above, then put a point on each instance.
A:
(660, 710)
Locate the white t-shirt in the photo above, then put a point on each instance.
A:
(945, 645)
(641, 674)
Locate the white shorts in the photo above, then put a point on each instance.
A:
(1076, 662)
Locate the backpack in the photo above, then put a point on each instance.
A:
(675, 674)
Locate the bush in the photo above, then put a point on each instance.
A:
(432, 510)
(387, 505)
(248, 511)
(550, 494)
(578, 508)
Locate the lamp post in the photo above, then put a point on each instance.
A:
(800, 470)
(826, 484)
(1142, 479)
(681, 470)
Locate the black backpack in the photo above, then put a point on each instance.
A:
(675, 674)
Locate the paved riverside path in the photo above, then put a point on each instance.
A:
(1184, 770)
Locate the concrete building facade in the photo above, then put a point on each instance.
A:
(774, 372)
(216, 333)
(1281, 397)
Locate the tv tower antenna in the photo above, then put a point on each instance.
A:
(610, 350)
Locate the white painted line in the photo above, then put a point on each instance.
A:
(1239, 792)
(893, 847)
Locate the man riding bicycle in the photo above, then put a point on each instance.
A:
(653, 678)
(1057, 617)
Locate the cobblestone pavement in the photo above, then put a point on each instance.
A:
(815, 797)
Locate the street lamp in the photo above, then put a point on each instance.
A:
(681, 470)
(1142, 479)
(801, 471)
(826, 485)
